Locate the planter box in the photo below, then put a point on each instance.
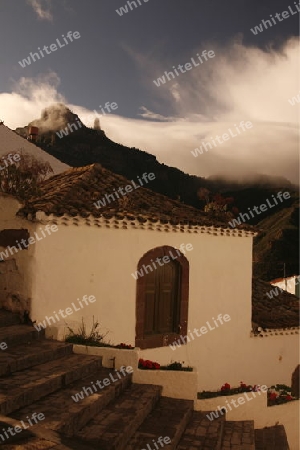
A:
(58, 332)
(111, 357)
(175, 383)
(248, 408)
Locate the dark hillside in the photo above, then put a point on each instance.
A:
(279, 240)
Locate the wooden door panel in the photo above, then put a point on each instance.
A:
(150, 312)
(161, 311)
(165, 313)
(162, 298)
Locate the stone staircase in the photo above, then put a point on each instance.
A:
(39, 377)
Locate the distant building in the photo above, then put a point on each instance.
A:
(11, 142)
(289, 284)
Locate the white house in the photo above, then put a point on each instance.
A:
(152, 270)
(289, 284)
(12, 142)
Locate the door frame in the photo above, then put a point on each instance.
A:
(160, 340)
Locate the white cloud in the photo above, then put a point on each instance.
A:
(147, 114)
(42, 8)
(238, 84)
(28, 98)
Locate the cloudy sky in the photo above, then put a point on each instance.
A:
(117, 57)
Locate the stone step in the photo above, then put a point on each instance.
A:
(116, 424)
(35, 438)
(8, 318)
(19, 335)
(271, 438)
(28, 355)
(202, 433)
(168, 420)
(67, 445)
(64, 415)
(23, 388)
(39, 443)
(238, 435)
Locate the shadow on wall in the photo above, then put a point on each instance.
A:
(296, 382)
(14, 271)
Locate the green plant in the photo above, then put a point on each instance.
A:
(82, 337)
(177, 366)
(279, 394)
(226, 390)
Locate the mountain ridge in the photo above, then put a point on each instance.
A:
(86, 146)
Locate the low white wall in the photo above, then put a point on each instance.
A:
(256, 409)
(253, 360)
(248, 410)
(273, 359)
(121, 357)
(59, 332)
(287, 415)
(176, 384)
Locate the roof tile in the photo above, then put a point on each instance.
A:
(76, 191)
(281, 311)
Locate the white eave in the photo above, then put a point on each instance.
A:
(145, 224)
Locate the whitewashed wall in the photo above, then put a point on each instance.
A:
(15, 271)
(76, 261)
(12, 142)
(81, 260)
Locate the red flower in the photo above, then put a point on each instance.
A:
(272, 396)
(288, 398)
(147, 364)
(124, 346)
(225, 387)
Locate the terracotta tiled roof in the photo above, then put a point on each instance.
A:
(281, 311)
(75, 191)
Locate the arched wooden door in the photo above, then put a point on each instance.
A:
(162, 298)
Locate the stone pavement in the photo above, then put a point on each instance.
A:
(238, 435)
